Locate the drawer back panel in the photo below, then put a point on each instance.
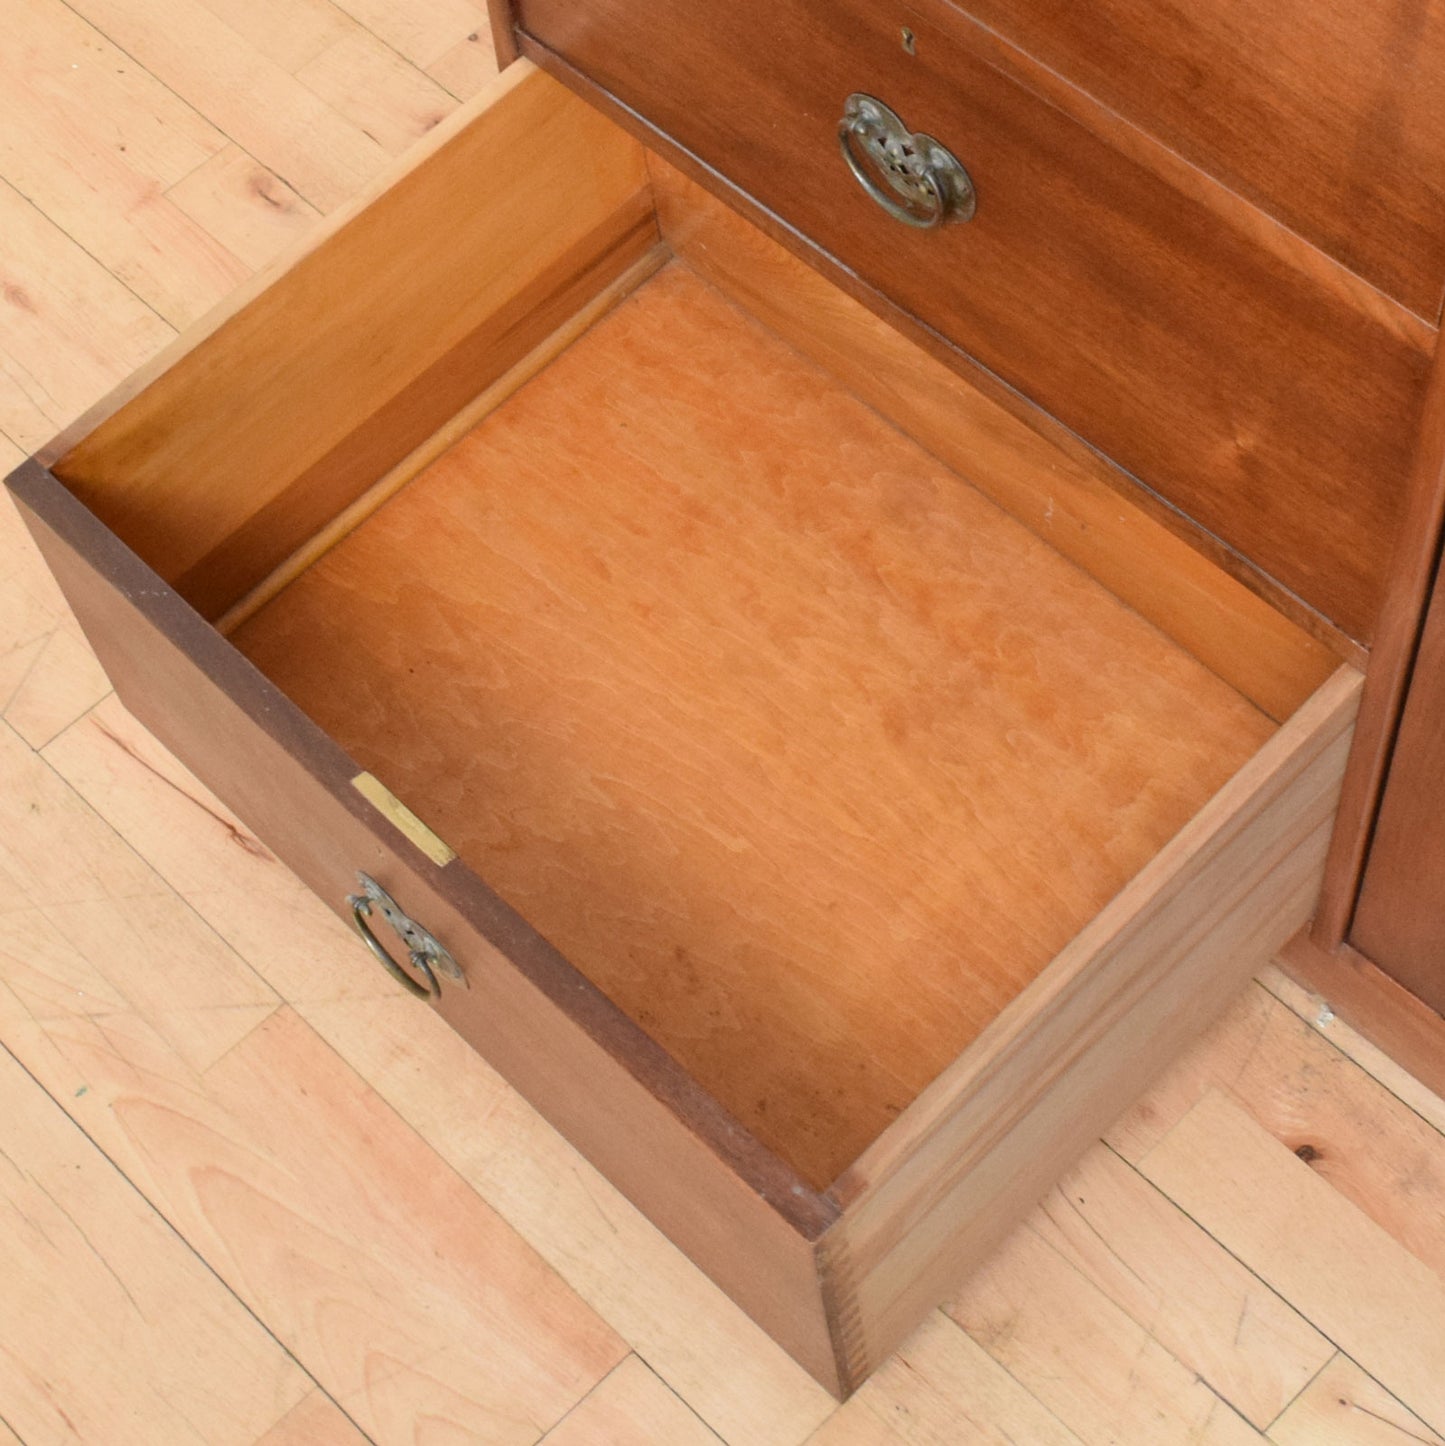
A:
(1249, 380)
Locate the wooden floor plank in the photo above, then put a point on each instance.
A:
(63, 682)
(68, 329)
(91, 932)
(1343, 1406)
(1372, 1148)
(213, 862)
(402, 1294)
(257, 103)
(742, 1384)
(420, 30)
(1180, 1285)
(1317, 1013)
(467, 66)
(90, 169)
(406, 1297)
(739, 1381)
(248, 208)
(111, 1330)
(375, 89)
(290, 32)
(1380, 1304)
(76, 82)
(632, 1407)
(1101, 1373)
(942, 1389)
(30, 590)
(315, 1420)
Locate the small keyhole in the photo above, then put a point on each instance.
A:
(909, 43)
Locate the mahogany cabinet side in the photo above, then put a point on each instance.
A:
(1400, 919)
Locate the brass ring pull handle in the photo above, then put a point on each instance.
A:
(929, 187)
(360, 908)
(426, 955)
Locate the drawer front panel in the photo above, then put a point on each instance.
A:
(1264, 395)
(732, 1207)
(1331, 117)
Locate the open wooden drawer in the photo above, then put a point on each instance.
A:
(825, 854)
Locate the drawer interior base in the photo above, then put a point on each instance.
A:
(797, 746)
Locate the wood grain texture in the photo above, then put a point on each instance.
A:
(1038, 1318)
(316, 1420)
(393, 1285)
(1071, 497)
(247, 207)
(631, 1407)
(1274, 409)
(442, 440)
(402, 1293)
(366, 81)
(290, 32)
(811, 866)
(1393, 1035)
(422, 32)
(625, 1269)
(68, 328)
(93, 142)
(1400, 917)
(1173, 1281)
(503, 28)
(251, 97)
(1343, 1406)
(949, 1179)
(1377, 1301)
(730, 1373)
(742, 1215)
(1327, 116)
(938, 1386)
(1372, 1148)
(360, 348)
(61, 681)
(101, 1301)
(1413, 570)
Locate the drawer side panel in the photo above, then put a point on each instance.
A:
(736, 1210)
(973, 1155)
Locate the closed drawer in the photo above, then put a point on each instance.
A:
(823, 853)
(1245, 378)
(1330, 118)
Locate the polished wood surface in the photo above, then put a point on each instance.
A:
(1329, 116)
(1071, 497)
(948, 1181)
(1400, 919)
(1392, 660)
(451, 432)
(360, 348)
(723, 684)
(181, 867)
(1162, 329)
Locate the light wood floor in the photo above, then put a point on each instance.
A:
(250, 1192)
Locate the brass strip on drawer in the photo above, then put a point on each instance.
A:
(396, 812)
